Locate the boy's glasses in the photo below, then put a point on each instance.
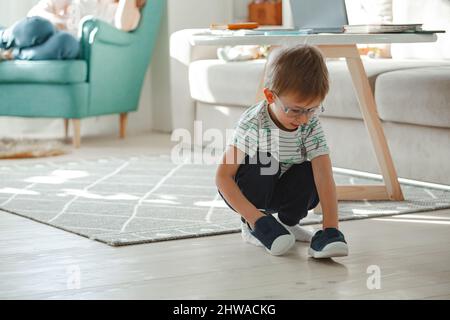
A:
(297, 112)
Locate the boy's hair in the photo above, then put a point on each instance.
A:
(299, 70)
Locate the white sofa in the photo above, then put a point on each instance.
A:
(412, 95)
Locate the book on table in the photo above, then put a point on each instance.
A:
(383, 28)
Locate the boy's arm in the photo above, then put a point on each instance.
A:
(225, 174)
(326, 188)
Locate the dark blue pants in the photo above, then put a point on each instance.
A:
(35, 38)
(291, 195)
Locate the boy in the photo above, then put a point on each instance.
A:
(279, 161)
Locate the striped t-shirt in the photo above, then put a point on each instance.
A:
(257, 131)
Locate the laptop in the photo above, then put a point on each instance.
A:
(321, 16)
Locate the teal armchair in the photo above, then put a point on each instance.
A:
(107, 79)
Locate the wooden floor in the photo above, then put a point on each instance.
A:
(41, 262)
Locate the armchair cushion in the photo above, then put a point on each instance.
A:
(47, 72)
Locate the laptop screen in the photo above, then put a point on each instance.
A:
(319, 15)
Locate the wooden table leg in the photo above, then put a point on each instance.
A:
(391, 190)
(374, 127)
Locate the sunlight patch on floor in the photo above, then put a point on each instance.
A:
(18, 191)
(58, 177)
(415, 221)
(90, 195)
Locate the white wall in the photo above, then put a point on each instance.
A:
(182, 14)
(11, 10)
(240, 11)
(435, 15)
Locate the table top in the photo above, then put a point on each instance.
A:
(202, 38)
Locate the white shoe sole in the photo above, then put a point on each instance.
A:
(282, 244)
(335, 249)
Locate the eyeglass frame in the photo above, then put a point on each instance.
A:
(298, 111)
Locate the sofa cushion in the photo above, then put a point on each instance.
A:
(60, 71)
(236, 83)
(229, 83)
(342, 102)
(416, 96)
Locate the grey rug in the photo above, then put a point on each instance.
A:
(124, 201)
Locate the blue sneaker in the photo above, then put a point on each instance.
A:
(328, 243)
(276, 238)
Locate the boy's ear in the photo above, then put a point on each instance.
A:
(269, 95)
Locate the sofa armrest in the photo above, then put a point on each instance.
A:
(183, 51)
(99, 31)
(112, 57)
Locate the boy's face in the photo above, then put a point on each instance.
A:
(291, 112)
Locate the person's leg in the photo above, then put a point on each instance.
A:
(62, 45)
(2, 28)
(257, 178)
(257, 187)
(247, 176)
(3, 38)
(1, 43)
(249, 180)
(27, 32)
(297, 193)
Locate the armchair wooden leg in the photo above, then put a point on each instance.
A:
(76, 132)
(123, 124)
(66, 128)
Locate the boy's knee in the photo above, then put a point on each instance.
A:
(3, 41)
(305, 171)
(255, 184)
(259, 172)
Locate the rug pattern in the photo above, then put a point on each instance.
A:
(131, 200)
